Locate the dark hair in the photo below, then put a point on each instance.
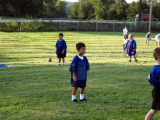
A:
(61, 34)
(80, 45)
(156, 53)
(126, 37)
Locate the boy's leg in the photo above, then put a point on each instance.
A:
(130, 57)
(159, 43)
(150, 114)
(156, 42)
(59, 61)
(74, 92)
(63, 61)
(82, 93)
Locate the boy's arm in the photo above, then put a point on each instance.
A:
(134, 46)
(63, 51)
(87, 65)
(56, 46)
(74, 77)
(64, 47)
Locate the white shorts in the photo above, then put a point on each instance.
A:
(157, 37)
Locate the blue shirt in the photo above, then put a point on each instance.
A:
(154, 77)
(60, 45)
(80, 67)
(130, 45)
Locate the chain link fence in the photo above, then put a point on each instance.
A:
(27, 25)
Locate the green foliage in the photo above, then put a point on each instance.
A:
(111, 9)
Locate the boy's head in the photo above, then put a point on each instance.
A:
(81, 48)
(60, 36)
(156, 53)
(131, 36)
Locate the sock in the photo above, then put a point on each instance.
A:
(59, 63)
(63, 63)
(81, 96)
(73, 97)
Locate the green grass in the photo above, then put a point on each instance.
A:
(37, 89)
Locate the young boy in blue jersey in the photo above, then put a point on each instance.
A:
(131, 48)
(78, 69)
(154, 79)
(61, 47)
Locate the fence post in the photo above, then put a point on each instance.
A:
(146, 26)
(40, 23)
(78, 26)
(113, 25)
(96, 26)
(130, 27)
(60, 24)
(0, 22)
(21, 25)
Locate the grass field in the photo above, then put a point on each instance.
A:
(36, 89)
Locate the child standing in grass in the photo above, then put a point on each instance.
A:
(131, 48)
(78, 69)
(148, 36)
(157, 37)
(154, 79)
(61, 47)
(124, 44)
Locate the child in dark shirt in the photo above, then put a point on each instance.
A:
(78, 69)
(61, 47)
(154, 79)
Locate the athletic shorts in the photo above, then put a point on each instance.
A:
(147, 38)
(80, 86)
(61, 56)
(156, 99)
(133, 55)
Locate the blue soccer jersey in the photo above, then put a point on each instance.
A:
(154, 77)
(80, 67)
(130, 46)
(60, 45)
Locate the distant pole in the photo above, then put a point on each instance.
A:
(140, 8)
(150, 16)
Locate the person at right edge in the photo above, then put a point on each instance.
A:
(154, 79)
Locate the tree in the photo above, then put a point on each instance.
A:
(132, 10)
(60, 7)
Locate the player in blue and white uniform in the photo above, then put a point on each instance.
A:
(131, 48)
(61, 47)
(148, 37)
(154, 79)
(78, 69)
(157, 37)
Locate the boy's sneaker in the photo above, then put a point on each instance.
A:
(63, 63)
(136, 60)
(59, 64)
(130, 61)
(84, 99)
(75, 100)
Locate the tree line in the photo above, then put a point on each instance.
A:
(112, 9)
(83, 9)
(33, 8)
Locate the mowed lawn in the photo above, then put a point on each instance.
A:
(36, 89)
